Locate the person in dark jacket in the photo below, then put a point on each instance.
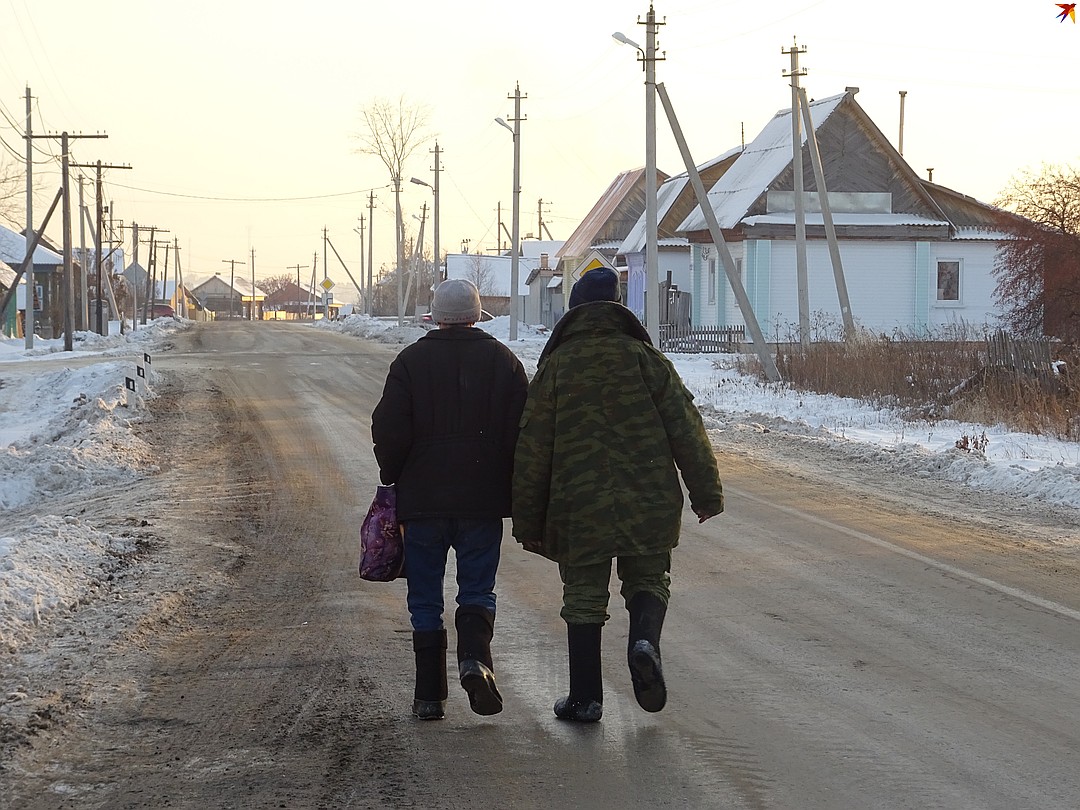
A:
(607, 428)
(444, 434)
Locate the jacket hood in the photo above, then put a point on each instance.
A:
(598, 317)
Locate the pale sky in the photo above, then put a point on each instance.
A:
(230, 113)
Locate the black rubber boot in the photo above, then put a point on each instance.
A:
(647, 613)
(585, 703)
(429, 698)
(475, 627)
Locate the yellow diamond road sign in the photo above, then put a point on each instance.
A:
(326, 284)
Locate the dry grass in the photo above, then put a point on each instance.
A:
(944, 378)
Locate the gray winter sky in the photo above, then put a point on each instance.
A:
(240, 118)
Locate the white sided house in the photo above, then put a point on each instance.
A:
(917, 258)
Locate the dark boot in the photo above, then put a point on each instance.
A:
(475, 626)
(429, 699)
(647, 613)
(585, 703)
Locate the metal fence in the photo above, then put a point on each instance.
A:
(701, 339)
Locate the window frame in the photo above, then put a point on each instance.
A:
(938, 289)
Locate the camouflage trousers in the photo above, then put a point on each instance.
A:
(586, 587)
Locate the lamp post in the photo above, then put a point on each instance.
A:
(652, 272)
(515, 228)
(435, 191)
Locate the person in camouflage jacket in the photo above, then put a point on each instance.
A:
(607, 428)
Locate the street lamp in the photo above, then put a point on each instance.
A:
(516, 132)
(652, 272)
(435, 191)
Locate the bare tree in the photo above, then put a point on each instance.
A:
(12, 193)
(1038, 268)
(275, 284)
(479, 273)
(392, 132)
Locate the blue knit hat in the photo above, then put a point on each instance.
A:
(599, 284)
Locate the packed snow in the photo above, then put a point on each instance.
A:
(67, 428)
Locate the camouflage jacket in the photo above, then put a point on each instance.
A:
(605, 425)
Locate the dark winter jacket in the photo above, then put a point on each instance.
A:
(446, 426)
(607, 421)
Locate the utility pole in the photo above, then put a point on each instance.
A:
(360, 231)
(102, 324)
(370, 302)
(134, 286)
(31, 288)
(800, 214)
(84, 309)
(400, 250)
(232, 288)
(648, 58)
(68, 284)
(297, 268)
(542, 227)
(827, 220)
(252, 312)
(150, 289)
(438, 258)
(181, 297)
(516, 225)
(652, 269)
(734, 277)
(326, 278)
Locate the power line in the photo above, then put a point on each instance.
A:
(248, 199)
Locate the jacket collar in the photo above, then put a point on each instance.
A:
(599, 317)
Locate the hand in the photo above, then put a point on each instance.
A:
(702, 515)
(531, 545)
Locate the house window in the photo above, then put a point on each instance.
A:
(948, 280)
(712, 281)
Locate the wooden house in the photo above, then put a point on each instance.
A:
(48, 266)
(917, 257)
(241, 300)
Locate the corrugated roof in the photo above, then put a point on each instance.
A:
(582, 238)
(667, 197)
(788, 218)
(758, 166)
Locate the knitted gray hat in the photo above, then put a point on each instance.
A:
(456, 300)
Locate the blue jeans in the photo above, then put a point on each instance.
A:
(477, 544)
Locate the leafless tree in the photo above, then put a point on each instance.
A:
(479, 273)
(392, 132)
(274, 284)
(12, 193)
(1038, 268)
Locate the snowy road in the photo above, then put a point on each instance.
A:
(840, 638)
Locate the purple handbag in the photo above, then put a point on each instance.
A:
(382, 548)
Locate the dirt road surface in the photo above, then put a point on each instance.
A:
(842, 637)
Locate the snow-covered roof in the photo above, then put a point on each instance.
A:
(980, 234)
(752, 172)
(816, 218)
(666, 196)
(7, 275)
(554, 281)
(13, 249)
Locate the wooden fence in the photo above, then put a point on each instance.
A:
(1030, 358)
(701, 339)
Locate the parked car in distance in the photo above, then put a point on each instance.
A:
(161, 311)
(429, 323)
